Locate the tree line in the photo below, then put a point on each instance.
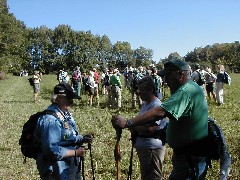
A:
(64, 48)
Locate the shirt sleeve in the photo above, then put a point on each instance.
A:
(51, 136)
(177, 105)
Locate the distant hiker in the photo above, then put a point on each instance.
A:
(136, 76)
(92, 87)
(59, 138)
(36, 85)
(76, 80)
(127, 74)
(116, 90)
(219, 84)
(158, 83)
(149, 69)
(105, 78)
(210, 84)
(97, 79)
(63, 76)
(84, 82)
(109, 93)
(198, 76)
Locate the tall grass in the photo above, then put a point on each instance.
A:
(16, 102)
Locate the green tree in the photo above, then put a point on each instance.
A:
(104, 51)
(12, 41)
(122, 54)
(142, 56)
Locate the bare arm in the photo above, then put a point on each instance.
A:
(157, 112)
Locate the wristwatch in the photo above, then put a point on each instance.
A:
(128, 123)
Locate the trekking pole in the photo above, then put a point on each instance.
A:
(130, 165)
(81, 165)
(133, 140)
(117, 153)
(90, 150)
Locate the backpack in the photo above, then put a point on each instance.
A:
(28, 147)
(215, 140)
(31, 81)
(201, 79)
(226, 78)
(106, 80)
(135, 80)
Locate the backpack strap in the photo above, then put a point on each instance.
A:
(51, 113)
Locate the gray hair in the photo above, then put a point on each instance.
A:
(54, 98)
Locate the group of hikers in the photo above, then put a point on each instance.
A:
(181, 121)
(108, 82)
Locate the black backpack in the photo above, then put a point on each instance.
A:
(215, 140)
(201, 79)
(28, 147)
(226, 78)
(31, 81)
(106, 80)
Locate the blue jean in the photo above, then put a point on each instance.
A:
(187, 167)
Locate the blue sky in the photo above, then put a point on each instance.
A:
(165, 26)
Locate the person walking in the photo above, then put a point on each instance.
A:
(158, 83)
(116, 90)
(63, 76)
(77, 80)
(59, 138)
(198, 76)
(210, 83)
(187, 111)
(219, 85)
(105, 81)
(36, 85)
(92, 88)
(136, 100)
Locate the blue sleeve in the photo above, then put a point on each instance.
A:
(51, 135)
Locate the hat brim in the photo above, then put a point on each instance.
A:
(162, 72)
(72, 95)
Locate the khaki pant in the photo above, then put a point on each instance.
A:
(116, 97)
(219, 92)
(151, 163)
(136, 100)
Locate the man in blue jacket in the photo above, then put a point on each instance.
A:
(59, 138)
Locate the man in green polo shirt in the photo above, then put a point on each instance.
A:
(187, 111)
(116, 91)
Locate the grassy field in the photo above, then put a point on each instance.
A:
(16, 102)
